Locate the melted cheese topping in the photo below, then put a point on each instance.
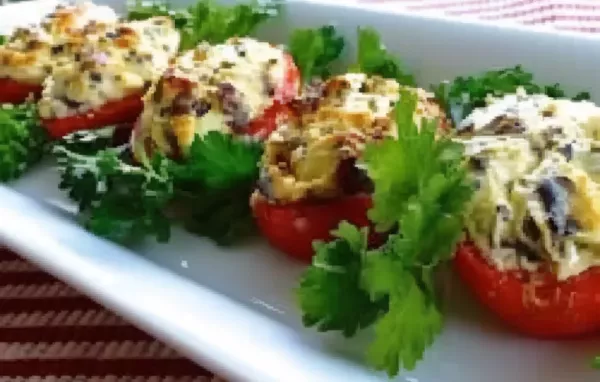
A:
(30, 53)
(123, 60)
(537, 202)
(213, 87)
(302, 159)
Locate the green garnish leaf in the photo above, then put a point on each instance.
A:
(421, 191)
(596, 362)
(467, 93)
(208, 21)
(220, 161)
(315, 50)
(374, 59)
(117, 200)
(23, 141)
(330, 294)
(216, 23)
(3, 39)
(409, 326)
(215, 183)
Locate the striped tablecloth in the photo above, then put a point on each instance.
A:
(573, 15)
(49, 332)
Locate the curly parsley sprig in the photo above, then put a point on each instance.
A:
(23, 141)
(421, 187)
(125, 202)
(117, 200)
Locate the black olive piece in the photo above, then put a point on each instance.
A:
(57, 49)
(77, 57)
(478, 163)
(352, 179)
(165, 47)
(363, 88)
(95, 76)
(111, 35)
(201, 107)
(555, 199)
(568, 151)
(530, 229)
(525, 251)
(272, 61)
(571, 227)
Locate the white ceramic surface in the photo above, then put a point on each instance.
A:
(233, 310)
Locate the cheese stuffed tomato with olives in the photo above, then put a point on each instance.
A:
(533, 253)
(30, 53)
(239, 87)
(310, 179)
(104, 82)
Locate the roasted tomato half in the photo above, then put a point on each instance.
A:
(12, 91)
(533, 222)
(119, 112)
(310, 180)
(240, 87)
(534, 303)
(293, 227)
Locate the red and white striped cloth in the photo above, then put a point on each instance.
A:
(49, 332)
(573, 15)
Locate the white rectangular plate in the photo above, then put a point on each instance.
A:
(233, 310)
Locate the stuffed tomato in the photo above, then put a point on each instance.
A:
(239, 87)
(311, 179)
(533, 226)
(104, 82)
(30, 53)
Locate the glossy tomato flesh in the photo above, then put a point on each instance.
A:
(12, 91)
(120, 112)
(292, 227)
(534, 303)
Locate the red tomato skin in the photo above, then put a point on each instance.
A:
(13, 91)
(264, 125)
(535, 304)
(293, 227)
(124, 111)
